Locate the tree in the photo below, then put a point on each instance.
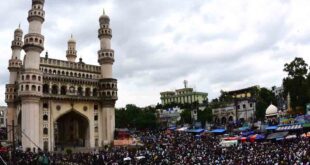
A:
(135, 117)
(186, 117)
(296, 83)
(263, 100)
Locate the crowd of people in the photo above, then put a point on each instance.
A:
(162, 147)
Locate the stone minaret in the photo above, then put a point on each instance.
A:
(71, 52)
(108, 85)
(31, 79)
(11, 88)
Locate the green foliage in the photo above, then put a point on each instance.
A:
(186, 117)
(135, 117)
(297, 82)
(263, 100)
(205, 116)
(297, 68)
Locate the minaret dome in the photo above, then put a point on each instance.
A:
(104, 19)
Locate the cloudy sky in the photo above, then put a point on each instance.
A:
(214, 44)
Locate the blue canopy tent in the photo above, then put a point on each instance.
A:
(172, 128)
(218, 131)
(199, 130)
(289, 127)
(247, 133)
(272, 127)
(278, 135)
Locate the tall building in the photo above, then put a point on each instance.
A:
(183, 95)
(60, 103)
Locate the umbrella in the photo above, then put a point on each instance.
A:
(291, 137)
(127, 159)
(140, 157)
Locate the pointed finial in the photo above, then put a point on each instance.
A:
(71, 35)
(103, 11)
(19, 25)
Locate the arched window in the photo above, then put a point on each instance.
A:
(45, 131)
(27, 87)
(95, 93)
(46, 88)
(34, 77)
(45, 105)
(80, 91)
(45, 117)
(87, 92)
(63, 90)
(39, 88)
(22, 88)
(27, 77)
(39, 78)
(22, 77)
(33, 88)
(55, 89)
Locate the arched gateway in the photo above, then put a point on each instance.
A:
(72, 130)
(60, 102)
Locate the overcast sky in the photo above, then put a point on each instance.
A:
(214, 44)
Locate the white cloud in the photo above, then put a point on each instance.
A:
(216, 44)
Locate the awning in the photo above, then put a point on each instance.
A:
(306, 125)
(289, 127)
(257, 136)
(182, 129)
(278, 135)
(247, 133)
(172, 128)
(291, 137)
(243, 128)
(218, 131)
(271, 127)
(195, 130)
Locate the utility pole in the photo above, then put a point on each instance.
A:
(13, 136)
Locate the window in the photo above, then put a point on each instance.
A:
(243, 106)
(45, 117)
(238, 106)
(45, 88)
(45, 131)
(96, 117)
(96, 107)
(55, 89)
(95, 92)
(45, 105)
(63, 90)
(80, 91)
(251, 105)
(87, 92)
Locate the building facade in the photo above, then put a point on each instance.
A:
(3, 111)
(183, 96)
(240, 105)
(58, 103)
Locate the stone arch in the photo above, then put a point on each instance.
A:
(73, 129)
(87, 92)
(80, 91)
(55, 89)
(46, 88)
(95, 92)
(223, 120)
(230, 119)
(63, 90)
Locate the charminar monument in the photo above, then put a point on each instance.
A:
(56, 103)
